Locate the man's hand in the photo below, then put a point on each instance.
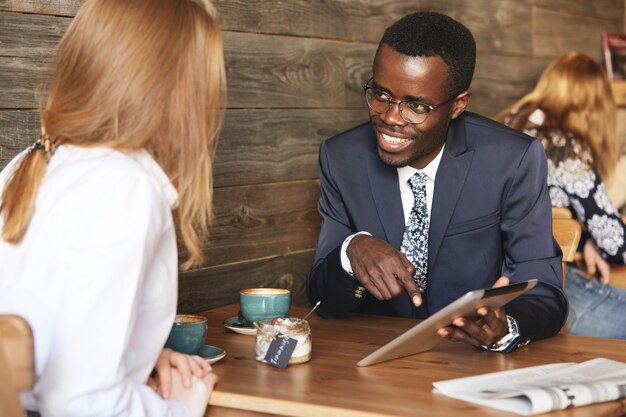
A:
(595, 263)
(383, 270)
(489, 327)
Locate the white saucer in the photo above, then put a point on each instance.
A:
(236, 326)
(211, 354)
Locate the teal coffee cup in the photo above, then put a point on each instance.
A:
(263, 303)
(187, 334)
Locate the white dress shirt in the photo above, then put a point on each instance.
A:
(406, 194)
(96, 278)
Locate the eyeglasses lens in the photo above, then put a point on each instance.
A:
(381, 103)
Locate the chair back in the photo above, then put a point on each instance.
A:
(17, 363)
(561, 213)
(566, 231)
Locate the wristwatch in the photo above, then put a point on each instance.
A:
(509, 341)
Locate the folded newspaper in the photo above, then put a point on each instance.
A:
(541, 389)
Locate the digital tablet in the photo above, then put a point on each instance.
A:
(423, 336)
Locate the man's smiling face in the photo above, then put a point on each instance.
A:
(423, 79)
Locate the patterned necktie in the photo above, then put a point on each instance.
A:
(415, 239)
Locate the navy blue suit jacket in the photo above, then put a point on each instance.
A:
(490, 216)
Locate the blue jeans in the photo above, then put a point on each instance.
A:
(595, 309)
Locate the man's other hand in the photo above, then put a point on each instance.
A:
(486, 328)
(382, 269)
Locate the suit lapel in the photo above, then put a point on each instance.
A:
(455, 163)
(386, 194)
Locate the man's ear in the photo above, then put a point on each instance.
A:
(459, 104)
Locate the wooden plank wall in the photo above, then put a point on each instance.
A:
(294, 74)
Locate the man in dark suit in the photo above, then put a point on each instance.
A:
(428, 201)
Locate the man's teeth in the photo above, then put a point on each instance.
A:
(393, 140)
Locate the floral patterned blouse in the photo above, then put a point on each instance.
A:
(574, 183)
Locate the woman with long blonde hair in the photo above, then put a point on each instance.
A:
(572, 111)
(89, 212)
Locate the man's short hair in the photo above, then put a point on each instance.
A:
(435, 34)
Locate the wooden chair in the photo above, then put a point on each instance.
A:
(17, 363)
(566, 231)
(618, 272)
(561, 213)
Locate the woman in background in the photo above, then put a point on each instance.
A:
(88, 254)
(571, 110)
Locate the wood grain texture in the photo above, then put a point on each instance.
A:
(600, 9)
(274, 71)
(27, 47)
(278, 71)
(31, 35)
(263, 71)
(347, 20)
(366, 21)
(338, 19)
(215, 411)
(499, 82)
(22, 81)
(262, 146)
(258, 221)
(497, 26)
(557, 32)
(359, 59)
(18, 129)
(51, 7)
(211, 287)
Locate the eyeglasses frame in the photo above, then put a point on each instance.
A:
(367, 86)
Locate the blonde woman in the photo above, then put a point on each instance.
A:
(88, 213)
(572, 112)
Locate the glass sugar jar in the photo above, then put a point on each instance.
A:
(295, 328)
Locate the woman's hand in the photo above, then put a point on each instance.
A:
(595, 263)
(186, 366)
(195, 397)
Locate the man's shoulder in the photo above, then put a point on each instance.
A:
(490, 139)
(482, 128)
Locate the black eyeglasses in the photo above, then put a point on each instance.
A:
(411, 111)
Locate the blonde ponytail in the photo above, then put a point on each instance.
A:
(20, 191)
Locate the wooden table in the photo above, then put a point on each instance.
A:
(332, 385)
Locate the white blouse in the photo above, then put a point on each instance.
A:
(96, 278)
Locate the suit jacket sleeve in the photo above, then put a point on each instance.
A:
(328, 281)
(527, 229)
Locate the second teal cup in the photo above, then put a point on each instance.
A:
(187, 334)
(263, 303)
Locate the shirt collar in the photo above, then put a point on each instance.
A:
(430, 170)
